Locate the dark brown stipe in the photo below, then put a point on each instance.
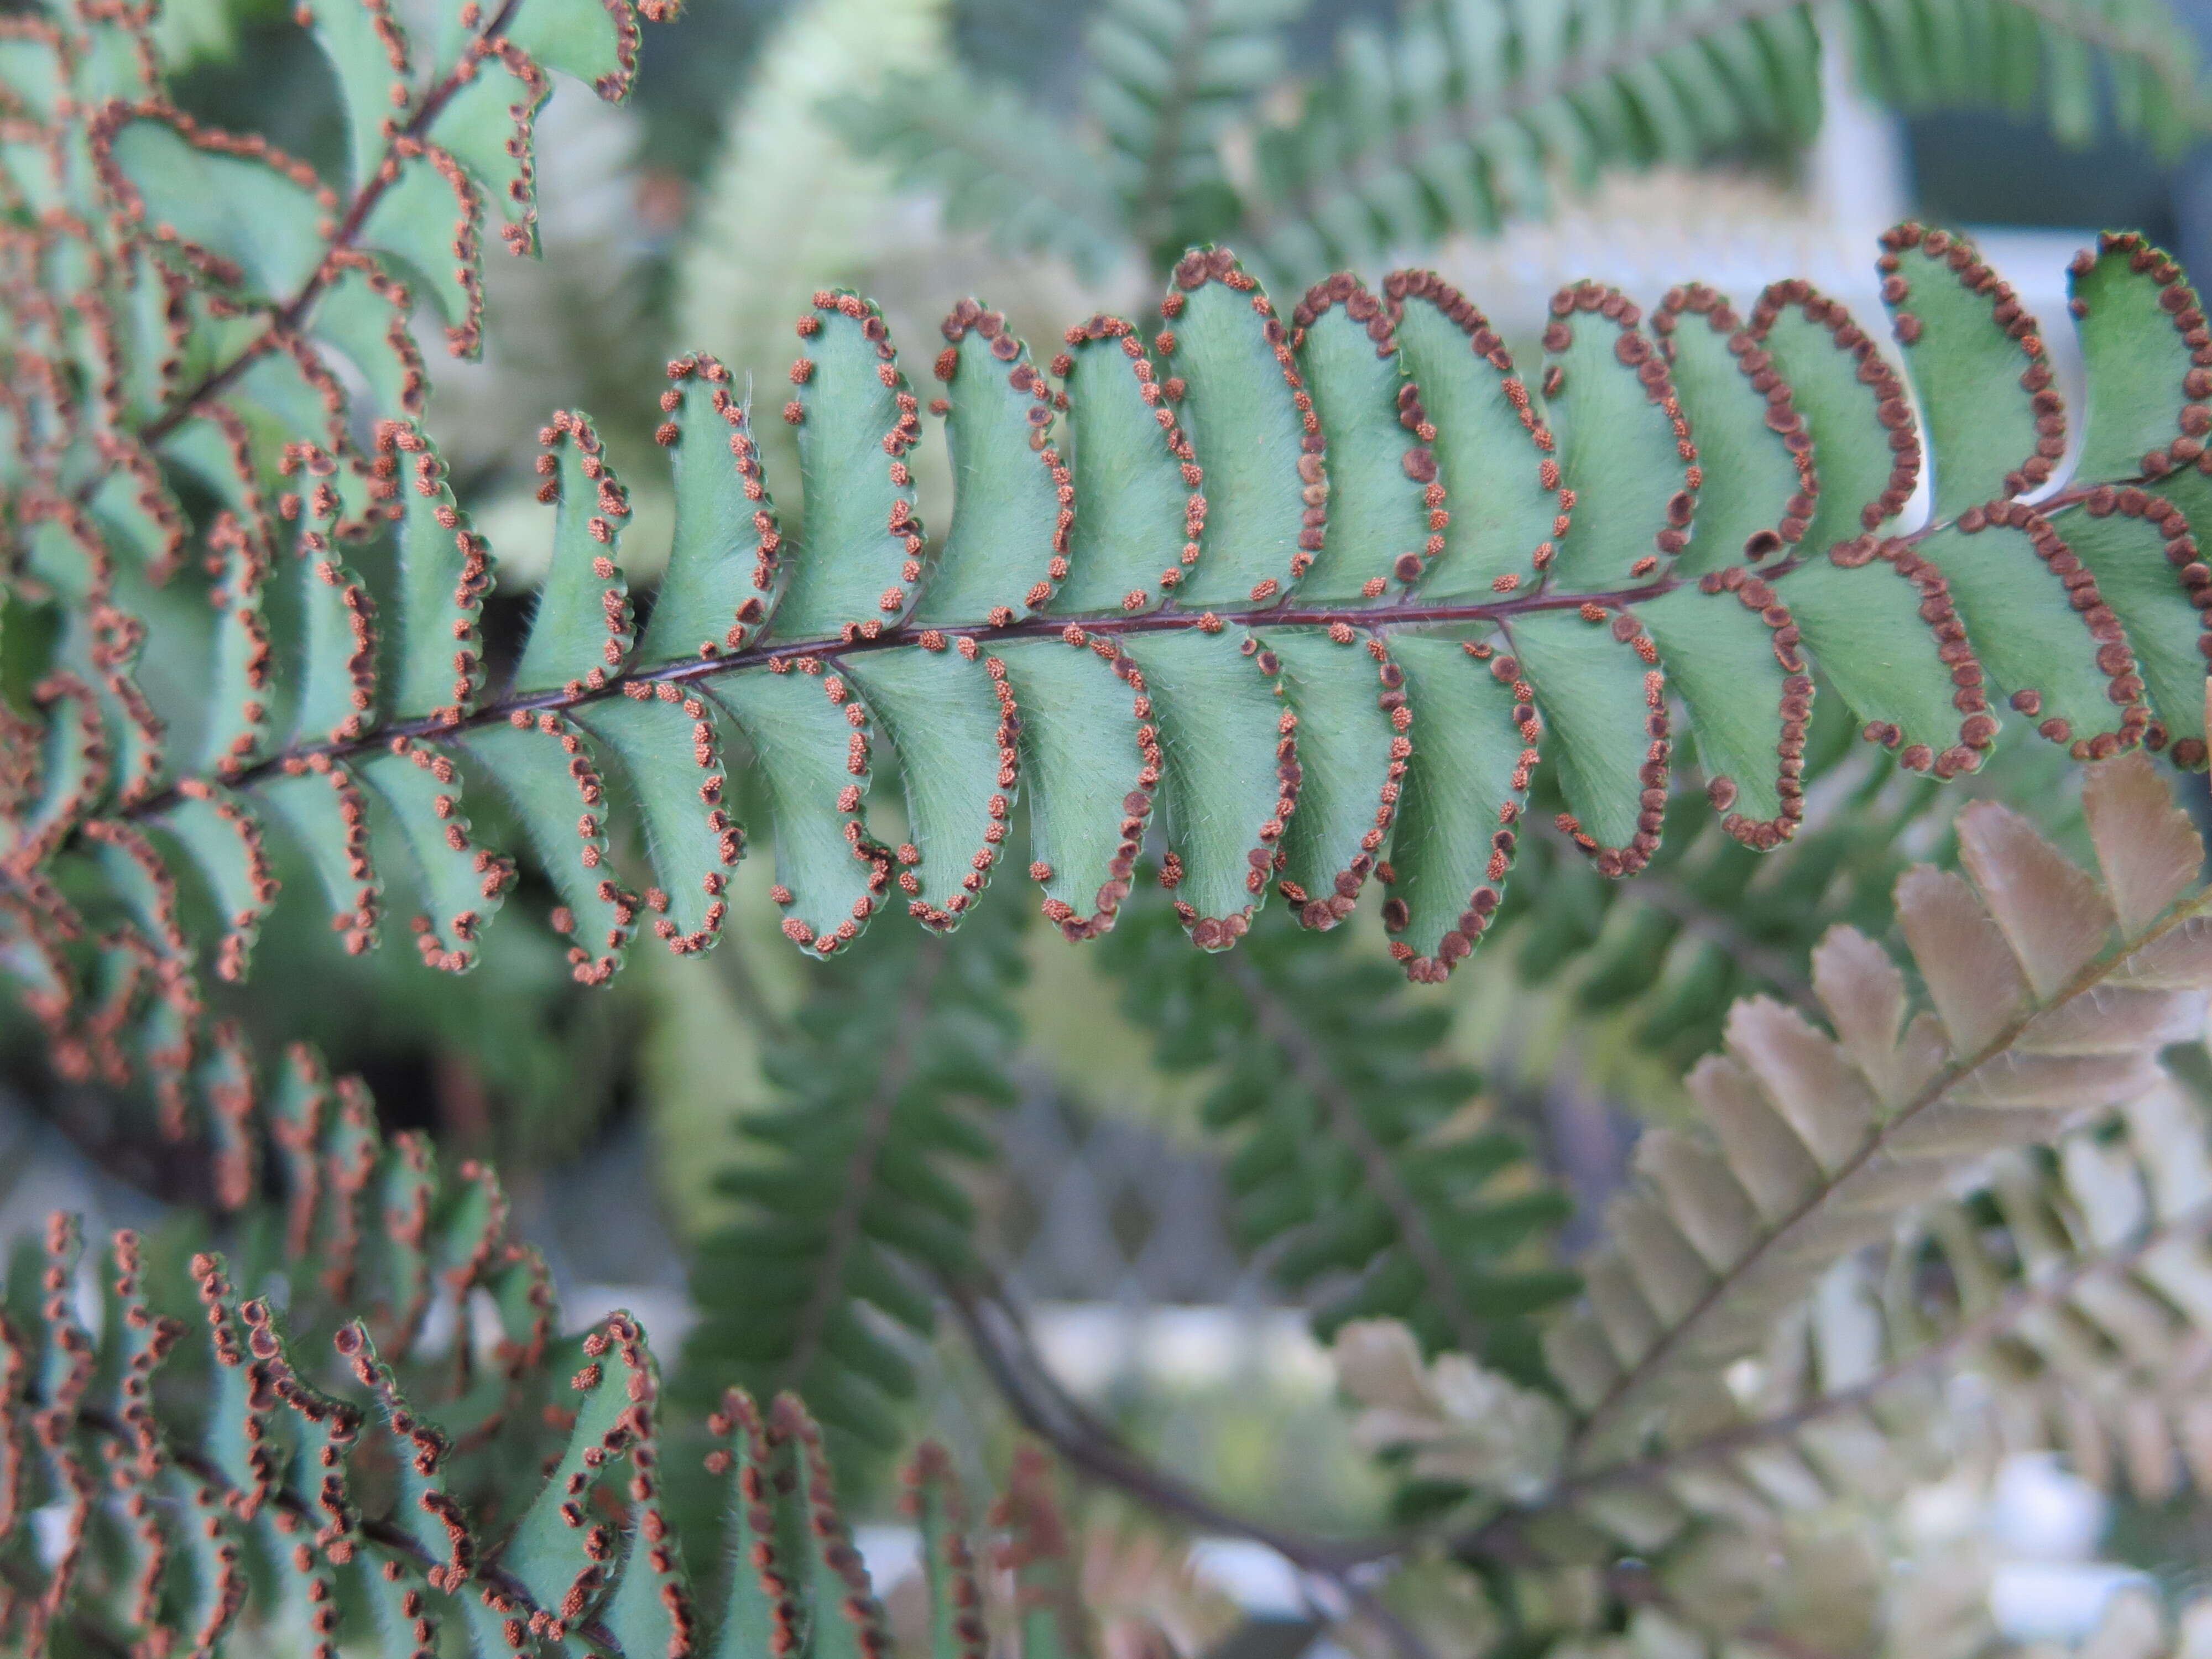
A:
(2178, 300)
(1759, 597)
(2008, 312)
(2124, 686)
(1890, 406)
(1420, 459)
(1023, 377)
(1781, 418)
(1484, 342)
(1322, 911)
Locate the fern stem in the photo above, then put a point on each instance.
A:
(689, 669)
(288, 318)
(1655, 1359)
(860, 1179)
(1094, 1449)
(1384, 1180)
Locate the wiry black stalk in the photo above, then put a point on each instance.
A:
(1095, 1450)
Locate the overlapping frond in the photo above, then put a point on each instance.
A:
(2006, 1183)
(1353, 1164)
(852, 1206)
(1327, 592)
(1460, 116)
(392, 1437)
(1306, 601)
(1466, 116)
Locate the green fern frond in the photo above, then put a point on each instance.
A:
(1329, 591)
(1460, 119)
(348, 1461)
(1352, 1153)
(852, 1206)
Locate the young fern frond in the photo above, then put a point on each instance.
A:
(2038, 1018)
(1859, 1217)
(321, 1469)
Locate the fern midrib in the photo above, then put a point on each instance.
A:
(1653, 1365)
(1407, 612)
(1406, 145)
(1384, 1181)
(690, 670)
(859, 1185)
(287, 318)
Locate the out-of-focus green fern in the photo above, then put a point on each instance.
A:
(852, 1209)
(1464, 115)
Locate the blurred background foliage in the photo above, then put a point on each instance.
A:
(699, 216)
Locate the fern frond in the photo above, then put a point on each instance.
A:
(852, 1207)
(1351, 1151)
(317, 1469)
(1000, 165)
(1785, 1295)
(1166, 78)
(1458, 119)
(1822, 1142)
(1327, 591)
